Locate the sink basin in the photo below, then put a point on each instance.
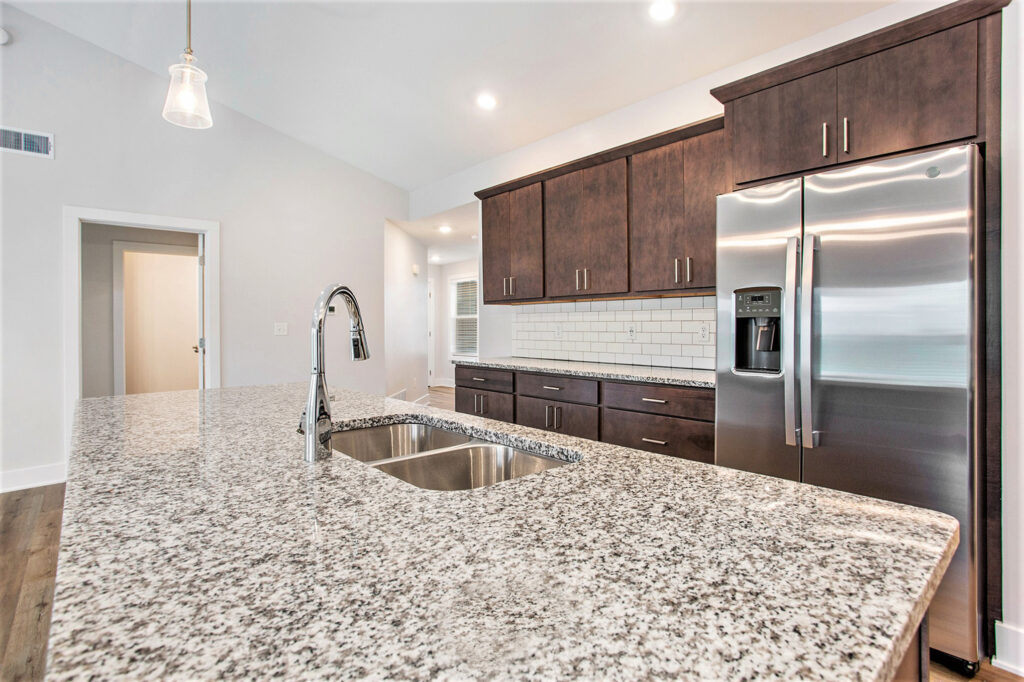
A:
(395, 440)
(470, 466)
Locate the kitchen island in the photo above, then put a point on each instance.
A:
(197, 544)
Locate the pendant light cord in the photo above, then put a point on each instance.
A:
(188, 27)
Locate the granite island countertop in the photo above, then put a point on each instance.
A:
(674, 376)
(197, 544)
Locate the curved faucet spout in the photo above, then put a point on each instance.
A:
(316, 418)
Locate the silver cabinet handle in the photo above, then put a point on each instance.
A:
(483, 403)
(655, 441)
(846, 135)
(577, 279)
(558, 417)
(511, 286)
(552, 388)
(808, 435)
(586, 278)
(476, 400)
(689, 269)
(675, 270)
(654, 400)
(547, 416)
(479, 379)
(504, 286)
(789, 340)
(824, 139)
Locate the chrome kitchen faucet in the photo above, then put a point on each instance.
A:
(316, 418)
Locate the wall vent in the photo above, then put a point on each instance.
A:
(26, 142)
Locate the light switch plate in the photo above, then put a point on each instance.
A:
(280, 329)
(631, 330)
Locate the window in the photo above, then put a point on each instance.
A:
(464, 317)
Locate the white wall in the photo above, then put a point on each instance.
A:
(292, 220)
(1010, 633)
(405, 312)
(98, 297)
(444, 371)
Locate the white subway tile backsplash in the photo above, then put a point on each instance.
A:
(667, 331)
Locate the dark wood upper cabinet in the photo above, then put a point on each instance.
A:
(917, 94)
(706, 174)
(657, 219)
(585, 231)
(513, 245)
(784, 129)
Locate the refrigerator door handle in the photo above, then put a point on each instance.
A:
(789, 340)
(808, 435)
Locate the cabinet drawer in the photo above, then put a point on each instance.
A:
(486, 379)
(692, 403)
(555, 387)
(665, 435)
(551, 415)
(488, 404)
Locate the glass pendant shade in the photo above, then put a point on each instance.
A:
(186, 104)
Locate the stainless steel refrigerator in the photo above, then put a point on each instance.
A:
(848, 344)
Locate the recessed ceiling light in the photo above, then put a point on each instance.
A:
(444, 229)
(486, 101)
(435, 258)
(662, 10)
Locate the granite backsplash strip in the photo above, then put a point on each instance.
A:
(657, 332)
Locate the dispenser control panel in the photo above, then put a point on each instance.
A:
(759, 303)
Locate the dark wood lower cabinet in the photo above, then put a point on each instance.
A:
(672, 436)
(550, 415)
(488, 404)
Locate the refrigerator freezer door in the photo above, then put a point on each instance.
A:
(756, 229)
(893, 350)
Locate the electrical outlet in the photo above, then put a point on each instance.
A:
(558, 331)
(704, 333)
(280, 329)
(631, 330)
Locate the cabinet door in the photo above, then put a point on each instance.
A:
(606, 228)
(921, 93)
(564, 248)
(665, 435)
(494, 233)
(785, 129)
(526, 242)
(658, 219)
(573, 420)
(705, 176)
(500, 406)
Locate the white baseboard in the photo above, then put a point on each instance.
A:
(443, 381)
(1009, 648)
(398, 395)
(423, 399)
(32, 477)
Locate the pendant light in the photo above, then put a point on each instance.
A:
(186, 104)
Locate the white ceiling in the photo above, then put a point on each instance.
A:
(390, 86)
(459, 244)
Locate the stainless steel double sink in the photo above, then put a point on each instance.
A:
(437, 459)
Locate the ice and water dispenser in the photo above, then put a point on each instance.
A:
(758, 312)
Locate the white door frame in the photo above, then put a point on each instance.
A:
(431, 331)
(119, 249)
(71, 273)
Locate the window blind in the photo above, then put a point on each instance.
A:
(465, 336)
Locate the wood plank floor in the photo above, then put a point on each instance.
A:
(443, 397)
(30, 535)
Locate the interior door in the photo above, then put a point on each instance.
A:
(605, 231)
(564, 242)
(658, 219)
(887, 350)
(526, 242)
(705, 176)
(494, 250)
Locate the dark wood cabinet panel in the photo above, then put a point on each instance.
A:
(675, 401)
(481, 378)
(494, 234)
(562, 388)
(551, 415)
(917, 94)
(526, 242)
(784, 129)
(665, 435)
(500, 406)
(658, 219)
(564, 244)
(606, 229)
(706, 175)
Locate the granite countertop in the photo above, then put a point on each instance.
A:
(197, 544)
(703, 378)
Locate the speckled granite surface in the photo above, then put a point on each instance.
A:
(601, 370)
(197, 545)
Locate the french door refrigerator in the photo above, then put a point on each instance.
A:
(847, 344)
